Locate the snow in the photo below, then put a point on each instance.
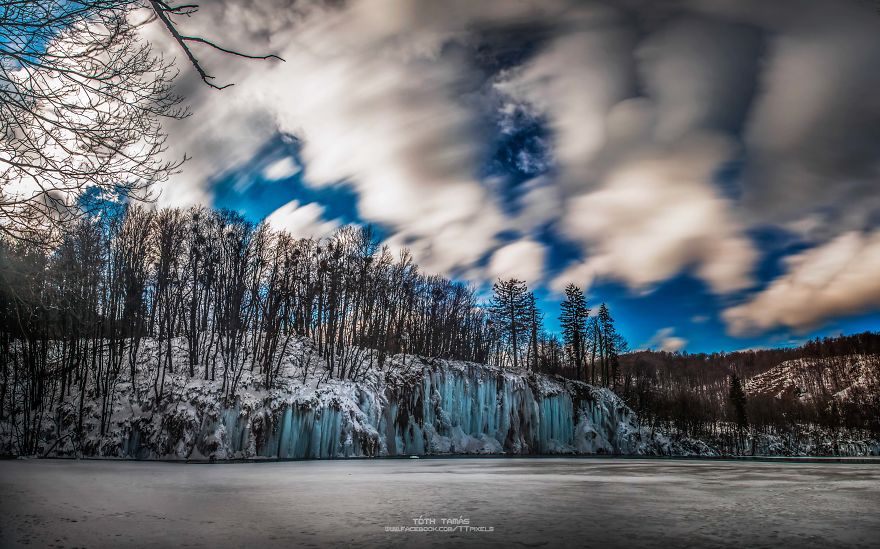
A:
(806, 378)
(411, 406)
(528, 502)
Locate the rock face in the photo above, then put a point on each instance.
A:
(426, 408)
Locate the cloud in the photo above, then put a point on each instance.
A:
(638, 175)
(664, 340)
(407, 147)
(644, 104)
(281, 169)
(699, 72)
(835, 279)
(574, 81)
(656, 214)
(539, 202)
(301, 220)
(813, 133)
(523, 259)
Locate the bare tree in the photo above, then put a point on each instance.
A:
(82, 100)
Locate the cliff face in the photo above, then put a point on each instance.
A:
(413, 408)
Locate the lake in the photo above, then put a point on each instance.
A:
(499, 502)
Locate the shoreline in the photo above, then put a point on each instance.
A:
(861, 460)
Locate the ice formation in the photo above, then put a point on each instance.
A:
(409, 406)
(440, 407)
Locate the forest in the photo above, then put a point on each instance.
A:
(236, 295)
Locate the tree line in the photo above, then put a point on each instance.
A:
(216, 295)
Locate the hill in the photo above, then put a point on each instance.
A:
(816, 395)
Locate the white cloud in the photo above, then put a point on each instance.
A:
(523, 259)
(657, 214)
(665, 340)
(636, 188)
(384, 94)
(835, 279)
(540, 203)
(281, 169)
(301, 221)
(574, 81)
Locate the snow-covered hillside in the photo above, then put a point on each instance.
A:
(410, 406)
(811, 378)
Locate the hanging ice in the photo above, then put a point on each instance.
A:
(439, 408)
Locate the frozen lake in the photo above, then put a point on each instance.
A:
(526, 502)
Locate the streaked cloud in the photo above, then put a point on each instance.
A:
(301, 220)
(674, 131)
(665, 340)
(523, 259)
(835, 279)
(657, 214)
(281, 169)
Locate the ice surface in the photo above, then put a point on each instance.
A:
(558, 502)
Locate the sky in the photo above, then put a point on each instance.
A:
(709, 168)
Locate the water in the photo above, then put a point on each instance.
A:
(527, 502)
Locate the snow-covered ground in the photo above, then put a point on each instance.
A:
(559, 502)
(807, 378)
(410, 406)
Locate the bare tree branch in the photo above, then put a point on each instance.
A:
(164, 11)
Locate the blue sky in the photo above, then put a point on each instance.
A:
(682, 303)
(708, 170)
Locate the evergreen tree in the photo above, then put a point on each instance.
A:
(611, 345)
(573, 320)
(510, 310)
(595, 336)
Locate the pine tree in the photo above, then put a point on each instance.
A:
(606, 328)
(595, 337)
(574, 325)
(611, 345)
(510, 311)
